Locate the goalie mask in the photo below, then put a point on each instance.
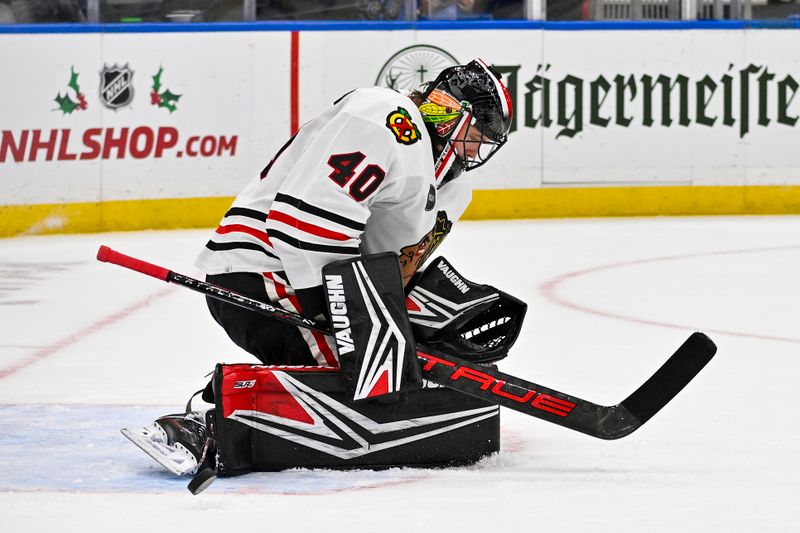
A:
(467, 112)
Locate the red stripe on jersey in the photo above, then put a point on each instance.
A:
(330, 358)
(241, 228)
(280, 289)
(307, 227)
(319, 338)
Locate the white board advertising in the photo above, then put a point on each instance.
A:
(117, 116)
(632, 107)
(95, 117)
(404, 59)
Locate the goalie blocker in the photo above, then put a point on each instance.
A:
(376, 412)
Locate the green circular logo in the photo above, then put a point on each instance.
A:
(414, 65)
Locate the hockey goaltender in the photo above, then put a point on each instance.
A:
(376, 172)
(316, 270)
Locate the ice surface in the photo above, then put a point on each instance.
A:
(87, 348)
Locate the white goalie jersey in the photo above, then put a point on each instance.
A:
(357, 179)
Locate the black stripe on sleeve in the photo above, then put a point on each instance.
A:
(345, 95)
(244, 212)
(313, 247)
(272, 161)
(317, 211)
(226, 246)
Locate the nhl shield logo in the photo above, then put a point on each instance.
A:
(116, 86)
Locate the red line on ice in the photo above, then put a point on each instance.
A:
(69, 340)
(550, 291)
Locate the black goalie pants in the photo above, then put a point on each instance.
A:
(271, 341)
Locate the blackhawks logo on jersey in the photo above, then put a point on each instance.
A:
(399, 123)
(414, 256)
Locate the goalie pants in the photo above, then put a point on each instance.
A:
(271, 341)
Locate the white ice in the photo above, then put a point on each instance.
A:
(87, 348)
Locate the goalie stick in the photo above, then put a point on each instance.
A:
(488, 383)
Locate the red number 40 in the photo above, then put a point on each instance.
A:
(344, 168)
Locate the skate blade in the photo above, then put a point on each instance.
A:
(174, 461)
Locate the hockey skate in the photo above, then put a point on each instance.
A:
(177, 442)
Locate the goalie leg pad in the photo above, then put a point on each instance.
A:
(272, 418)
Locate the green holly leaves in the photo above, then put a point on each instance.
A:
(74, 100)
(66, 104)
(167, 98)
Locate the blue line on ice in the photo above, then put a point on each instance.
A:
(78, 448)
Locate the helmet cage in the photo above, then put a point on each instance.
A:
(472, 156)
(483, 119)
